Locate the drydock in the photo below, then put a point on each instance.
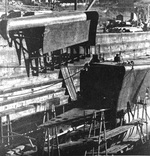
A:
(64, 91)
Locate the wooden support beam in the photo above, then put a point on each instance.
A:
(69, 83)
(75, 114)
(117, 148)
(90, 5)
(116, 131)
(30, 86)
(75, 4)
(30, 96)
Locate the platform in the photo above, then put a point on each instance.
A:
(69, 116)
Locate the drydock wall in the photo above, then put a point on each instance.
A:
(12, 75)
(129, 45)
(27, 95)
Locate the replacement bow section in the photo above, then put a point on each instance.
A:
(39, 37)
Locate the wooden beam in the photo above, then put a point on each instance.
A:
(90, 5)
(75, 4)
(30, 86)
(116, 131)
(69, 83)
(30, 96)
(75, 114)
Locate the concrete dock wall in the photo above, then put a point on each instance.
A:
(15, 86)
(12, 75)
(129, 45)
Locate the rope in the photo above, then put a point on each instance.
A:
(44, 87)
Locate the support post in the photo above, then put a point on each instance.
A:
(75, 4)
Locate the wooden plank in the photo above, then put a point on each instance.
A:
(30, 96)
(29, 86)
(7, 112)
(46, 103)
(116, 148)
(133, 139)
(90, 5)
(121, 129)
(136, 121)
(116, 131)
(119, 147)
(69, 83)
(70, 116)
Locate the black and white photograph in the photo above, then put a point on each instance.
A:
(74, 77)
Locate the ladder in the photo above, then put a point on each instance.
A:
(6, 137)
(69, 83)
(141, 116)
(144, 116)
(52, 142)
(8, 126)
(102, 132)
